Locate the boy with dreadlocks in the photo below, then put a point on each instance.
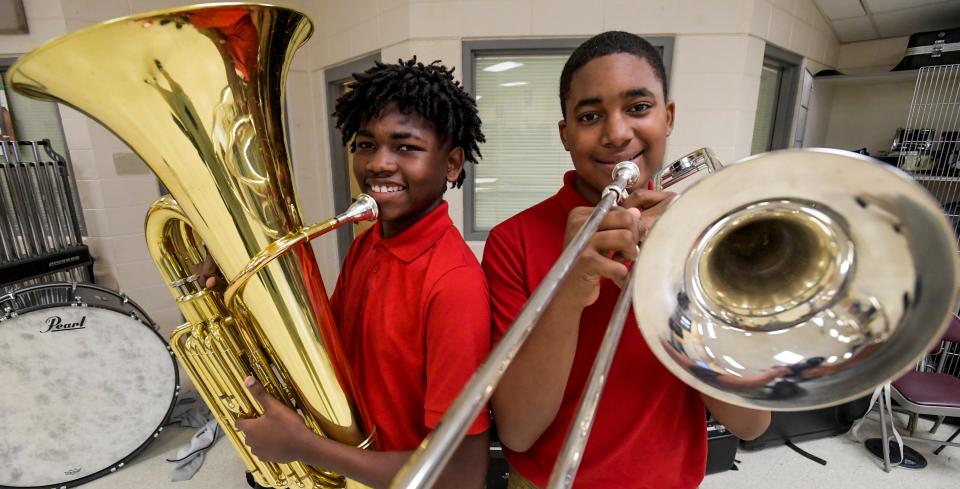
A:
(411, 301)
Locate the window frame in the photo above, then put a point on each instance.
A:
(20, 25)
(785, 106)
(525, 47)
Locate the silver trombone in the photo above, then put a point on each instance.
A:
(809, 277)
(686, 170)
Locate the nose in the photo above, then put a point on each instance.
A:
(380, 162)
(616, 131)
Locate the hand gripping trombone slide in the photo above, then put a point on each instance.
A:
(437, 448)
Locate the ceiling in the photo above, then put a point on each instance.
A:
(863, 20)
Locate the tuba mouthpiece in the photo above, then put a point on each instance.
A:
(364, 208)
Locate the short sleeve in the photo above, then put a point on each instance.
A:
(457, 340)
(506, 278)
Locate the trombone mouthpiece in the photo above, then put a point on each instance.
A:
(627, 170)
(625, 175)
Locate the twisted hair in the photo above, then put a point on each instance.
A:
(428, 91)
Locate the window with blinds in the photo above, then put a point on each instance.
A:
(517, 87)
(523, 159)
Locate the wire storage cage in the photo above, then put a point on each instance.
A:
(40, 231)
(928, 146)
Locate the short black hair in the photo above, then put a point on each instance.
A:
(428, 91)
(610, 42)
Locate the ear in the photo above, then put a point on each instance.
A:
(562, 126)
(454, 163)
(670, 112)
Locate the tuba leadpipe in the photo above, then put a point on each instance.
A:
(198, 94)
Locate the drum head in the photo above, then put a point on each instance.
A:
(85, 387)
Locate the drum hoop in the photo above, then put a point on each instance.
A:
(143, 319)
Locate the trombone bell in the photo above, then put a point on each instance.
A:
(823, 276)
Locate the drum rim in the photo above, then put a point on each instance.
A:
(144, 320)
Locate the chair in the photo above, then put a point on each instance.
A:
(929, 391)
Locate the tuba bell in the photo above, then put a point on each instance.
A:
(198, 93)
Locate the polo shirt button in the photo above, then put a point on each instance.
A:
(376, 268)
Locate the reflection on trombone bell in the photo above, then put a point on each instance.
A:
(817, 264)
(801, 291)
(853, 325)
(776, 277)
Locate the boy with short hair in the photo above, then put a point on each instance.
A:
(411, 301)
(650, 428)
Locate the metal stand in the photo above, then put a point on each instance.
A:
(944, 445)
(880, 447)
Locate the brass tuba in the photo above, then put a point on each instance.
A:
(198, 93)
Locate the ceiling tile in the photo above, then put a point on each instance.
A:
(840, 9)
(919, 19)
(854, 29)
(878, 6)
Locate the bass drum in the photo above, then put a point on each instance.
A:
(87, 383)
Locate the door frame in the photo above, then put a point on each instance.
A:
(335, 77)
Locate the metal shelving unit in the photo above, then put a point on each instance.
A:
(868, 78)
(40, 231)
(928, 145)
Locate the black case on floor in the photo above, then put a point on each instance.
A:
(721, 448)
(809, 425)
(932, 48)
(498, 471)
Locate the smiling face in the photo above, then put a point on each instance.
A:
(401, 162)
(615, 112)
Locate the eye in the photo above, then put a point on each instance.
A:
(362, 146)
(640, 107)
(588, 117)
(408, 147)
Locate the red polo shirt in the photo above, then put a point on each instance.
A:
(650, 428)
(414, 316)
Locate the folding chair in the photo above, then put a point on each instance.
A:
(925, 392)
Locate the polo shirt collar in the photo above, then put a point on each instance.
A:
(568, 197)
(418, 238)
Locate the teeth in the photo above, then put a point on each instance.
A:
(386, 188)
